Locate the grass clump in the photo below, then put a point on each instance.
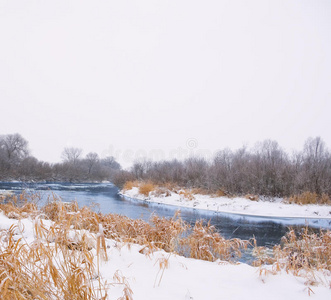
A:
(207, 244)
(186, 194)
(309, 198)
(161, 192)
(252, 197)
(21, 206)
(130, 184)
(221, 193)
(47, 268)
(299, 253)
(145, 188)
(200, 191)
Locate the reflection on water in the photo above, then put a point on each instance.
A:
(267, 231)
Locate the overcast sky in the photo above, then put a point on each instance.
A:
(164, 78)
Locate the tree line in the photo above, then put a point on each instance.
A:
(17, 163)
(264, 170)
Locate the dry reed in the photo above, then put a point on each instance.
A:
(207, 244)
(58, 265)
(299, 253)
(48, 268)
(309, 198)
(130, 184)
(145, 188)
(62, 265)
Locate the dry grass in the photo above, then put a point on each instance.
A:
(301, 254)
(171, 235)
(186, 195)
(58, 265)
(161, 192)
(171, 186)
(145, 188)
(200, 191)
(221, 193)
(309, 198)
(48, 268)
(207, 244)
(130, 184)
(252, 197)
(159, 233)
(165, 190)
(18, 207)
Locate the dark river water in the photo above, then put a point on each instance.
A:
(267, 231)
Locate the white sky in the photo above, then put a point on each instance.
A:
(134, 78)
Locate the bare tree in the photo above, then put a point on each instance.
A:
(111, 163)
(221, 170)
(28, 168)
(71, 154)
(92, 159)
(316, 166)
(196, 172)
(269, 162)
(15, 147)
(138, 170)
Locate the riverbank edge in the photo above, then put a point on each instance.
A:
(190, 205)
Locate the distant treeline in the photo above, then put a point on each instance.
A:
(16, 163)
(264, 170)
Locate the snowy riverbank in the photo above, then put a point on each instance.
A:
(161, 275)
(270, 208)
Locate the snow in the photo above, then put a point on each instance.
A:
(183, 278)
(267, 208)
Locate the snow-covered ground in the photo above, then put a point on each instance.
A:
(274, 208)
(184, 278)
